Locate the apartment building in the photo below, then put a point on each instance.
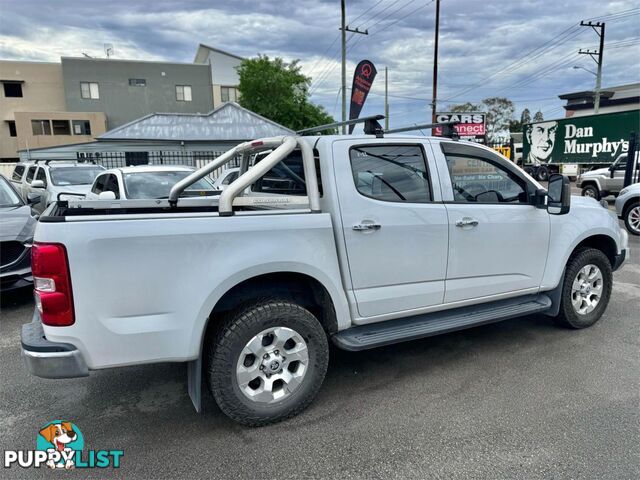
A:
(126, 90)
(33, 111)
(224, 77)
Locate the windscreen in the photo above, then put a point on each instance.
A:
(158, 185)
(8, 197)
(63, 176)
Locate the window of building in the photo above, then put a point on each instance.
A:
(61, 127)
(183, 93)
(41, 127)
(478, 180)
(137, 82)
(17, 173)
(12, 128)
(89, 90)
(81, 127)
(392, 173)
(228, 94)
(12, 89)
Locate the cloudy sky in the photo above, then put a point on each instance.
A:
(523, 50)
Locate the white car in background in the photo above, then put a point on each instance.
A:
(67, 179)
(226, 177)
(146, 181)
(628, 208)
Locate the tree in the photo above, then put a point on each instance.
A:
(538, 116)
(465, 107)
(499, 112)
(280, 92)
(525, 117)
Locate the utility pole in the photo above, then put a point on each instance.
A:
(344, 28)
(596, 56)
(386, 98)
(434, 97)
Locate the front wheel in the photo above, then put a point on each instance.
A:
(268, 362)
(591, 191)
(586, 291)
(632, 218)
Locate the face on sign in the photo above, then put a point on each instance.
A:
(542, 137)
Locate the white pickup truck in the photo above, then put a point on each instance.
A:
(359, 240)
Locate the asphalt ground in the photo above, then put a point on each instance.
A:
(518, 399)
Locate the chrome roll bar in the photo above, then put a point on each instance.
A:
(282, 146)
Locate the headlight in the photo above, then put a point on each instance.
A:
(623, 191)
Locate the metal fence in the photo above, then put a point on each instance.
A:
(195, 159)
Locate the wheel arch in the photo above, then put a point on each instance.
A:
(593, 182)
(320, 295)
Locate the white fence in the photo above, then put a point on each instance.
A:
(6, 169)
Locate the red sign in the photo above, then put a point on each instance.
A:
(362, 80)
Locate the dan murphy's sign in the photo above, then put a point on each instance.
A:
(590, 139)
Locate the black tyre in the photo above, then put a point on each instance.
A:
(587, 288)
(631, 218)
(543, 174)
(591, 191)
(267, 362)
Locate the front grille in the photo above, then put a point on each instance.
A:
(10, 252)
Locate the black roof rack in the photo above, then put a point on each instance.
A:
(371, 126)
(448, 129)
(68, 160)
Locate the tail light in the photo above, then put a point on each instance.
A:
(52, 284)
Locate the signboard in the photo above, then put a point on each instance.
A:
(362, 79)
(472, 125)
(590, 139)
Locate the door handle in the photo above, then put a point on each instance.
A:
(467, 222)
(367, 226)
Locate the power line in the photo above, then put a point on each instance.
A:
(366, 11)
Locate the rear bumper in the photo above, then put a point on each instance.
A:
(47, 359)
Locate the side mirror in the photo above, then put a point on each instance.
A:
(106, 196)
(33, 198)
(37, 184)
(559, 195)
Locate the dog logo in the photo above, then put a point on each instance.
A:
(60, 440)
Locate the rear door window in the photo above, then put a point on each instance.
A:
(17, 173)
(391, 173)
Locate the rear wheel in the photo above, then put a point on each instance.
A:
(631, 218)
(587, 288)
(591, 191)
(543, 174)
(268, 362)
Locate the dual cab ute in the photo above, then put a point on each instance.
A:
(359, 240)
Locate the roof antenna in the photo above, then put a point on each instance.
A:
(108, 49)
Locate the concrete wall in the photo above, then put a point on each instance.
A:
(42, 90)
(26, 138)
(123, 103)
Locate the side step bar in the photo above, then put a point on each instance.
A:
(436, 323)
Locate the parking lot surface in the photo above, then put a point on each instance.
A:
(518, 399)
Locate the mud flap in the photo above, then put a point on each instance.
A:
(194, 383)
